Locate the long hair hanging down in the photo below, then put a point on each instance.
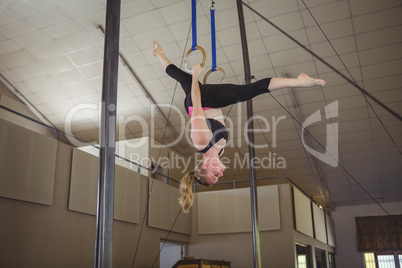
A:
(186, 198)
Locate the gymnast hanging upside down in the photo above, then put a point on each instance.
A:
(208, 132)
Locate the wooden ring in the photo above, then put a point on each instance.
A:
(210, 71)
(187, 67)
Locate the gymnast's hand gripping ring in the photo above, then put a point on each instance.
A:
(187, 66)
(210, 71)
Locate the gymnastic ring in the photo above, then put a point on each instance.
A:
(187, 67)
(210, 71)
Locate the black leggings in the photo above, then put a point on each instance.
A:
(217, 95)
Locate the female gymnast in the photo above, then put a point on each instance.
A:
(208, 132)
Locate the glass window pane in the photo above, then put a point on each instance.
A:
(301, 261)
(303, 256)
(369, 260)
(386, 261)
(331, 260)
(320, 258)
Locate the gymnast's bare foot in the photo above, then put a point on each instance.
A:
(307, 81)
(157, 49)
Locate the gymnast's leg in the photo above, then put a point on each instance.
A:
(221, 95)
(303, 80)
(218, 96)
(185, 79)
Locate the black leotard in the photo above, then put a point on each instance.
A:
(217, 96)
(218, 131)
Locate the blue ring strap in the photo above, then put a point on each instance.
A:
(194, 23)
(213, 39)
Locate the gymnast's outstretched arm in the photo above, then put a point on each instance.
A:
(201, 135)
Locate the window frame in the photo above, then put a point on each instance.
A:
(397, 255)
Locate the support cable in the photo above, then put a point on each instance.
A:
(194, 23)
(167, 125)
(308, 141)
(127, 66)
(214, 68)
(166, 238)
(347, 79)
(194, 45)
(350, 74)
(213, 36)
(31, 107)
(339, 164)
(151, 187)
(327, 64)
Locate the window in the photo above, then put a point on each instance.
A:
(369, 260)
(382, 259)
(331, 260)
(320, 258)
(301, 261)
(303, 256)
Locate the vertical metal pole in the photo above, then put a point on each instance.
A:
(107, 137)
(253, 181)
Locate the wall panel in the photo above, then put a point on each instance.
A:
(319, 224)
(330, 230)
(84, 188)
(164, 208)
(27, 164)
(302, 212)
(229, 211)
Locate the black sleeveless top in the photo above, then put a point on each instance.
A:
(218, 132)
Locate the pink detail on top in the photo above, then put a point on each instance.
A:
(190, 109)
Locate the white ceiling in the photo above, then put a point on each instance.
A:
(51, 51)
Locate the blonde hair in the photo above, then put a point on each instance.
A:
(186, 198)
